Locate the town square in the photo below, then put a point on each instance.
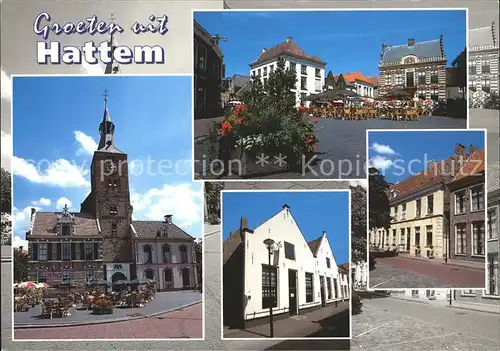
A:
(398, 79)
(427, 208)
(123, 256)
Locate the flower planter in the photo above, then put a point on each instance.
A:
(244, 163)
(102, 310)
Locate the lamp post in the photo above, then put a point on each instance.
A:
(269, 245)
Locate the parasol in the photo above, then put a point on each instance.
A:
(29, 285)
(42, 285)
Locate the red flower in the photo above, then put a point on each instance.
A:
(308, 140)
(226, 128)
(239, 121)
(239, 109)
(316, 120)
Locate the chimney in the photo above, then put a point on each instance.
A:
(285, 207)
(168, 219)
(21, 248)
(441, 45)
(33, 210)
(324, 233)
(459, 150)
(243, 223)
(288, 39)
(411, 42)
(264, 50)
(472, 149)
(493, 34)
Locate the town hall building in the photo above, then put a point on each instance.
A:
(99, 242)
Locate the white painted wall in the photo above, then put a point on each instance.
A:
(344, 284)
(363, 89)
(282, 227)
(324, 252)
(360, 273)
(314, 84)
(175, 255)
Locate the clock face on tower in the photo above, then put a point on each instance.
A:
(110, 167)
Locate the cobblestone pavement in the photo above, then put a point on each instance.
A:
(329, 321)
(341, 148)
(402, 273)
(185, 323)
(394, 324)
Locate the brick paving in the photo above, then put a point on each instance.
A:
(341, 149)
(329, 321)
(403, 273)
(185, 323)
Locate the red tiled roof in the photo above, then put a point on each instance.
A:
(372, 80)
(353, 76)
(45, 224)
(473, 166)
(286, 47)
(344, 267)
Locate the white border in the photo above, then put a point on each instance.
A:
(13, 76)
(466, 9)
(348, 191)
(484, 130)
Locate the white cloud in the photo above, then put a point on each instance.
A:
(6, 143)
(61, 173)
(22, 219)
(183, 201)
(95, 69)
(62, 202)
(42, 202)
(6, 86)
(383, 149)
(381, 163)
(18, 242)
(87, 144)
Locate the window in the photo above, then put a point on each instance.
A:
(114, 227)
(410, 79)
(430, 204)
(42, 251)
(289, 251)
(258, 72)
(434, 94)
(399, 79)
(293, 67)
(472, 68)
(271, 69)
(113, 210)
(492, 288)
(66, 251)
(89, 274)
(264, 71)
(418, 208)
(388, 79)
(434, 77)
(428, 235)
(327, 262)
(396, 208)
(166, 253)
(149, 273)
(148, 253)
(492, 223)
(485, 67)
(394, 236)
(66, 275)
(89, 251)
(317, 73)
(421, 94)
(42, 275)
(303, 83)
(65, 229)
(264, 81)
(168, 277)
(460, 239)
(421, 78)
(329, 287)
(309, 287)
(202, 58)
(417, 236)
(402, 238)
(478, 238)
(403, 211)
(486, 85)
(270, 287)
(460, 202)
(184, 255)
(477, 198)
(303, 69)
(317, 85)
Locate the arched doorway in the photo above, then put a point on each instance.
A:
(118, 276)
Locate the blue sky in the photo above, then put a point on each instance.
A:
(392, 152)
(349, 41)
(313, 211)
(55, 131)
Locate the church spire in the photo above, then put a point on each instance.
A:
(112, 67)
(107, 130)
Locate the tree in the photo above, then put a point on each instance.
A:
(358, 224)
(460, 70)
(20, 265)
(212, 201)
(6, 196)
(379, 215)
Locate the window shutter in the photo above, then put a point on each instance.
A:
(35, 251)
(59, 253)
(96, 251)
(82, 251)
(49, 251)
(73, 251)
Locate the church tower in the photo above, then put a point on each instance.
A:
(109, 202)
(112, 67)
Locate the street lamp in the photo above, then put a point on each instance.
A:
(269, 245)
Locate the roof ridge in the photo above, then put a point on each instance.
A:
(417, 42)
(487, 27)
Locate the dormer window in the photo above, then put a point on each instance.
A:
(65, 229)
(164, 232)
(113, 210)
(65, 221)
